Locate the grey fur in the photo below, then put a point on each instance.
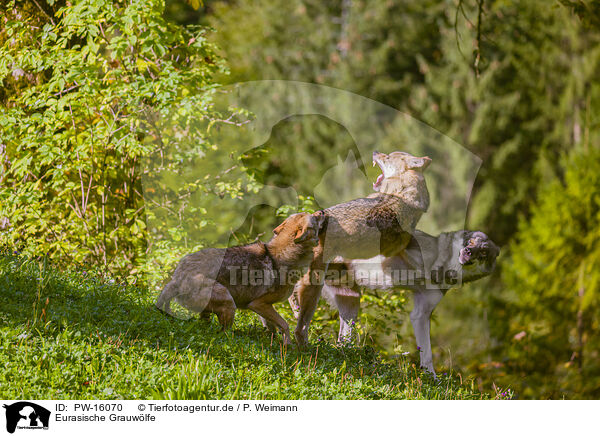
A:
(426, 255)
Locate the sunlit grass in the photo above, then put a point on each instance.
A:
(76, 335)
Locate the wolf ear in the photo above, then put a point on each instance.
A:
(315, 222)
(467, 235)
(302, 234)
(279, 228)
(418, 163)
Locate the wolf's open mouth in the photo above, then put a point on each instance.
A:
(465, 256)
(377, 183)
(379, 180)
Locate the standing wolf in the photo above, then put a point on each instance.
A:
(430, 266)
(381, 223)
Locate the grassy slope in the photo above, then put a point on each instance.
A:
(74, 336)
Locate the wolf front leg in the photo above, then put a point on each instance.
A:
(308, 297)
(272, 328)
(309, 291)
(420, 317)
(268, 312)
(293, 300)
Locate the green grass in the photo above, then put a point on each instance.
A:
(74, 335)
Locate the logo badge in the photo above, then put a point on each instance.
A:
(26, 415)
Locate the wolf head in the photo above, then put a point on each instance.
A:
(478, 252)
(397, 163)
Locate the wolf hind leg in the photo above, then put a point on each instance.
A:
(221, 302)
(163, 303)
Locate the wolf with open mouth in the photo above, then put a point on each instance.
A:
(381, 223)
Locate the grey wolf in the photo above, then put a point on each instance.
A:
(254, 276)
(430, 266)
(381, 223)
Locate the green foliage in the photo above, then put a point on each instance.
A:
(88, 92)
(588, 11)
(535, 102)
(358, 46)
(295, 40)
(95, 338)
(530, 104)
(552, 298)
